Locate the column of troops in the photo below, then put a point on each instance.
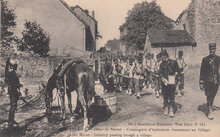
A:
(164, 75)
(133, 74)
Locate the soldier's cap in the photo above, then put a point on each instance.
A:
(180, 52)
(164, 52)
(139, 58)
(212, 46)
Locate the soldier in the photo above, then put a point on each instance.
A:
(168, 70)
(106, 76)
(13, 91)
(129, 74)
(118, 76)
(182, 65)
(138, 76)
(157, 79)
(124, 76)
(209, 77)
(149, 68)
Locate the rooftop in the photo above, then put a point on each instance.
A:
(170, 38)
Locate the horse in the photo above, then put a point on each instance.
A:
(77, 76)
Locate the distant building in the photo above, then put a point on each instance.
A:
(202, 20)
(171, 40)
(132, 50)
(69, 28)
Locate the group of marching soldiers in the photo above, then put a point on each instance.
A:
(142, 72)
(164, 75)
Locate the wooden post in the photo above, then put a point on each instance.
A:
(175, 52)
(0, 28)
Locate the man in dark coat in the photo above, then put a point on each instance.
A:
(106, 76)
(209, 77)
(168, 69)
(13, 91)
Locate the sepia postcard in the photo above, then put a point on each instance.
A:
(110, 68)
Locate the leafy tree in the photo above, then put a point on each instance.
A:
(8, 23)
(143, 17)
(34, 39)
(113, 45)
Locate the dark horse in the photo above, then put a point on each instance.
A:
(76, 75)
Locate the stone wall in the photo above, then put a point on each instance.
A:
(202, 21)
(207, 24)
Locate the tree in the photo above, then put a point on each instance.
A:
(143, 17)
(34, 39)
(113, 45)
(7, 24)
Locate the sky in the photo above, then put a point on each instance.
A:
(111, 14)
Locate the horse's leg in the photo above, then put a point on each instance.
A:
(84, 105)
(69, 101)
(78, 106)
(62, 100)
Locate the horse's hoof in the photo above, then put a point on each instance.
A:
(72, 119)
(86, 128)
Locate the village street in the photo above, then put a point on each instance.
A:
(146, 113)
(148, 110)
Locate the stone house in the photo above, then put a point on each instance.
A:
(202, 20)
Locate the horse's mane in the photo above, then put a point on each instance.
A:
(69, 65)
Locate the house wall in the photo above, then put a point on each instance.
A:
(64, 28)
(91, 23)
(202, 19)
(207, 24)
(188, 19)
(188, 52)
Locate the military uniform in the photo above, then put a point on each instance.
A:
(182, 65)
(138, 76)
(118, 76)
(157, 79)
(209, 78)
(106, 76)
(129, 75)
(168, 70)
(148, 65)
(13, 91)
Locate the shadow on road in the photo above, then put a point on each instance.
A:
(204, 108)
(177, 107)
(100, 111)
(146, 94)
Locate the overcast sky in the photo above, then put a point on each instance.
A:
(110, 14)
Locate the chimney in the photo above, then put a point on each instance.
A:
(93, 14)
(86, 11)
